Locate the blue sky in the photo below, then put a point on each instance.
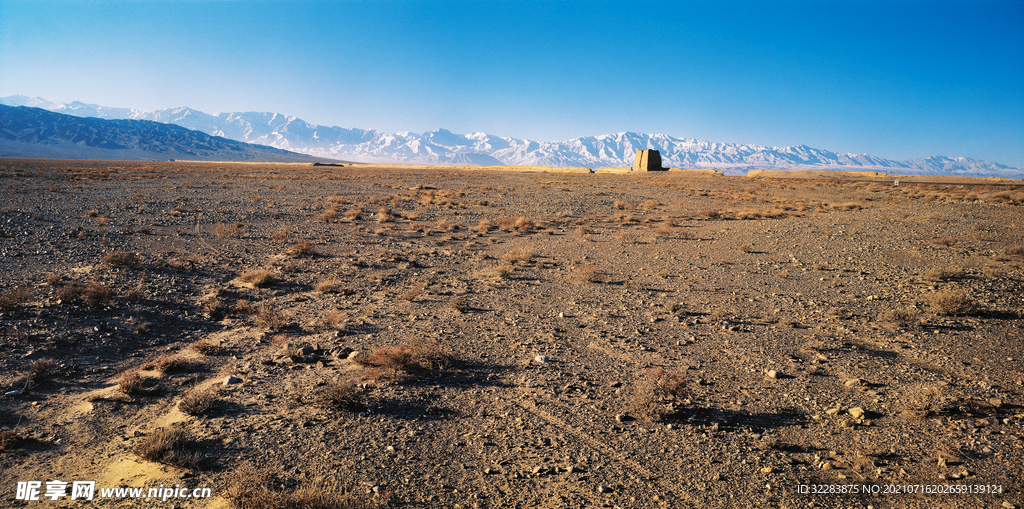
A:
(896, 79)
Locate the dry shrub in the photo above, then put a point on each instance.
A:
(258, 278)
(268, 318)
(168, 363)
(9, 439)
(354, 214)
(343, 394)
(459, 305)
(446, 225)
(301, 249)
(584, 229)
(747, 248)
(335, 320)
(850, 205)
(414, 291)
(281, 233)
(586, 273)
(944, 273)
(214, 308)
(504, 271)
(41, 371)
(249, 487)
(950, 302)
(649, 204)
(198, 402)
(118, 258)
(483, 226)
(171, 446)
(332, 286)
(710, 214)
(14, 297)
(384, 215)
(1014, 251)
(130, 382)
(945, 241)
(94, 294)
(922, 400)
(331, 215)
(902, 317)
(229, 230)
(515, 224)
(204, 347)
(518, 256)
(650, 395)
(410, 357)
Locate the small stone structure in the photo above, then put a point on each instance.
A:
(648, 160)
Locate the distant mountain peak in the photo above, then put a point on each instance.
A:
(442, 146)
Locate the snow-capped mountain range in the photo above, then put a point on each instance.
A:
(444, 147)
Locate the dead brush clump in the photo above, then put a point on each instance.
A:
(268, 318)
(710, 214)
(332, 286)
(1014, 251)
(41, 371)
(94, 294)
(384, 215)
(9, 439)
(257, 278)
(516, 224)
(14, 297)
(945, 241)
(417, 356)
(199, 402)
(249, 487)
(354, 214)
(301, 249)
(850, 205)
(658, 395)
(482, 227)
(586, 273)
(342, 394)
(171, 446)
(205, 347)
(330, 215)
(901, 317)
(118, 258)
(130, 382)
(950, 302)
(168, 363)
(518, 256)
(414, 291)
(921, 400)
(223, 231)
(335, 320)
(944, 273)
(281, 233)
(459, 305)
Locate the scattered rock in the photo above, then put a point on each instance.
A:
(13, 393)
(854, 382)
(995, 402)
(772, 373)
(604, 489)
(541, 359)
(231, 380)
(856, 412)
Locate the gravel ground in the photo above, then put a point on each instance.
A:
(408, 337)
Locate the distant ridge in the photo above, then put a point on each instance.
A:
(444, 147)
(36, 132)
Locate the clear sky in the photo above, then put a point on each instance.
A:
(895, 78)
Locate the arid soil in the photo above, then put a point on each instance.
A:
(292, 336)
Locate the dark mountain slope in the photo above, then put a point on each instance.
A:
(35, 132)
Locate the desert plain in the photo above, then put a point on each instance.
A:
(356, 336)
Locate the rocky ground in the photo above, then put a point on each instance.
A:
(298, 336)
